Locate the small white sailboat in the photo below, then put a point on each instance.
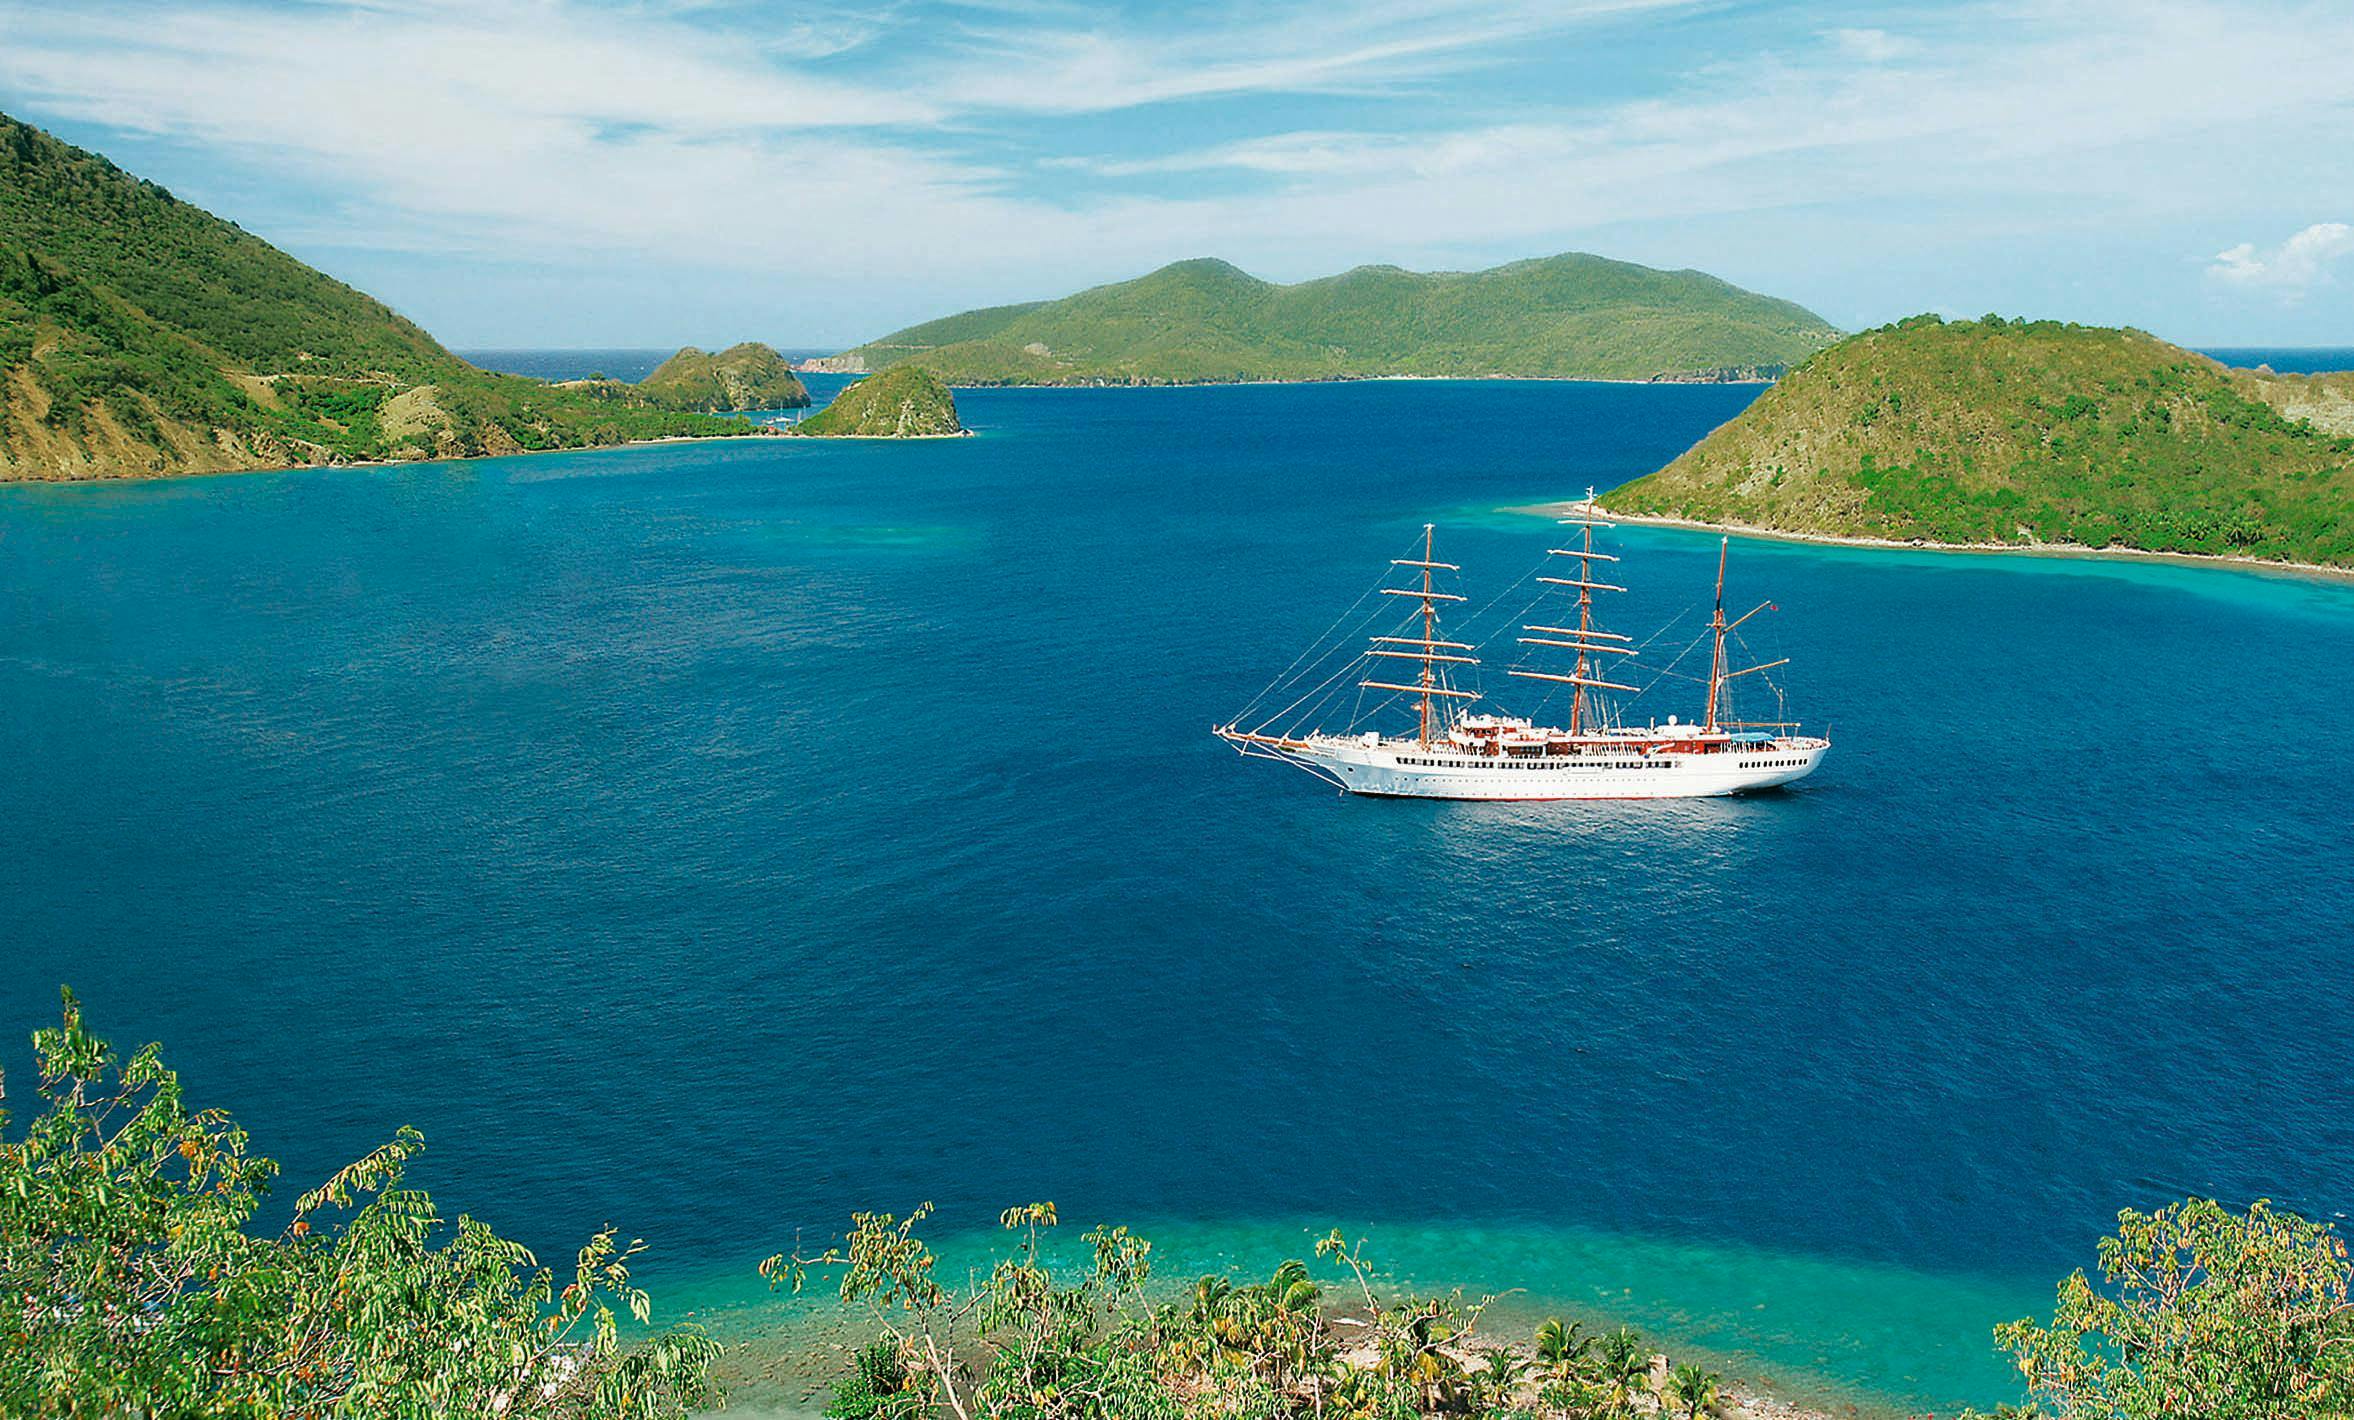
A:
(1457, 753)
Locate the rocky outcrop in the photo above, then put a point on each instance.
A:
(834, 365)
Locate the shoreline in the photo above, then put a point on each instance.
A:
(1796, 1336)
(784, 1355)
(878, 438)
(759, 432)
(2319, 571)
(762, 431)
(1329, 380)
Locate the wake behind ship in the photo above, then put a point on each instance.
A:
(1456, 752)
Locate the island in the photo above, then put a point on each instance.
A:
(141, 336)
(1205, 321)
(905, 402)
(739, 378)
(2028, 434)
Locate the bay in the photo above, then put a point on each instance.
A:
(717, 838)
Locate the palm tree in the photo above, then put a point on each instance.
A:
(1284, 1331)
(1209, 1297)
(1624, 1369)
(1694, 1390)
(1290, 1288)
(1413, 1350)
(1561, 1346)
(1501, 1378)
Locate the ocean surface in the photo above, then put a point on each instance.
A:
(714, 839)
(2292, 360)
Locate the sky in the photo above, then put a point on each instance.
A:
(575, 173)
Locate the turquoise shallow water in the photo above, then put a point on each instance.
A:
(719, 838)
(1838, 1334)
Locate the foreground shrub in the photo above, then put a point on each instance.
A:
(2201, 1313)
(134, 1282)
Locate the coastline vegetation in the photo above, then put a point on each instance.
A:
(2199, 1313)
(142, 1274)
(141, 335)
(1205, 321)
(1034, 1341)
(2026, 433)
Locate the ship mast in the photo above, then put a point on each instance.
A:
(1719, 628)
(1430, 628)
(1430, 651)
(1586, 639)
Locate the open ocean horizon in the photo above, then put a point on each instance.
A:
(634, 363)
(713, 839)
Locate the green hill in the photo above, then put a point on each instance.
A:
(2019, 433)
(907, 402)
(746, 376)
(1206, 321)
(141, 335)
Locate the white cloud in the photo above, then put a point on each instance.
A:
(2291, 268)
(947, 149)
(2080, 119)
(1871, 46)
(1340, 46)
(1319, 155)
(500, 127)
(246, 72)
(557, 128)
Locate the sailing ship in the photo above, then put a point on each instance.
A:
(1458, 752)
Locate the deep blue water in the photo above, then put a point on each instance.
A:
(2288, 360)
(717, 838)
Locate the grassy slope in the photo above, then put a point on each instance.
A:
(139, 335)
(2011, 432)
(1206, 321)
(746, 376)
(907, 401)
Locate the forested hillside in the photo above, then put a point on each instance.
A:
(142, 335)
(1206, 321)
(2025, 432)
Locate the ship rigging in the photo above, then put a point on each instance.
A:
(1458, 752)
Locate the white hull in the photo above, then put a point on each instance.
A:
(1405, 769)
